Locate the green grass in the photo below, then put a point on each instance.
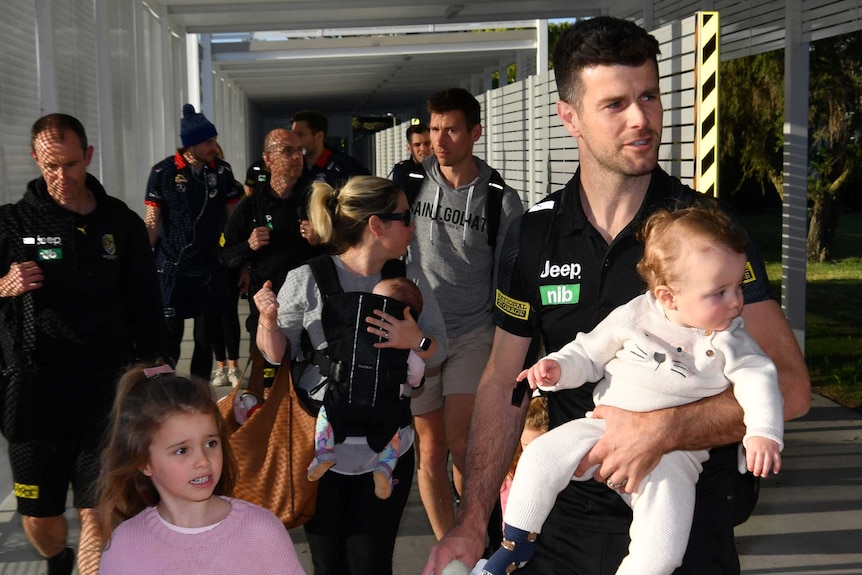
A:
(833, 332)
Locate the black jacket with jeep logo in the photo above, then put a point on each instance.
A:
(99, 307)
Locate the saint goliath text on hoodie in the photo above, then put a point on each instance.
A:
(451, 244)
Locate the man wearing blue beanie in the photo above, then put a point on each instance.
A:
(189, 197)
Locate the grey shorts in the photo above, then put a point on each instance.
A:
(460, 371)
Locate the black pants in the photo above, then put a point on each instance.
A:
(202, 298)
(225, 330)
(353, 532)
(202, 356)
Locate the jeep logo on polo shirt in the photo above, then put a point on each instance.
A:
(43, 241)
(571, 271)
(561, 294)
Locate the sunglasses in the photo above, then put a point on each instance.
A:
(403, 216)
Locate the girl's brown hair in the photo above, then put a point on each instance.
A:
(141, 406)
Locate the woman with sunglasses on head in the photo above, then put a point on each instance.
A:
(366, 223)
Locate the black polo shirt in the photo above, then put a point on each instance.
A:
(335, 168)
(558, 277)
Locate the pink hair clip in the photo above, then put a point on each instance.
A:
(158, 370)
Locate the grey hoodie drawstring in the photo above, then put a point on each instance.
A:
(466, 212)
(434, 214)
(466, 223)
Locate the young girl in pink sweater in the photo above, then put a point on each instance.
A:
(165, 475)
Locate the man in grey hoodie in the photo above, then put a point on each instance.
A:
(452, 209)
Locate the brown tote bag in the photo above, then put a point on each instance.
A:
(274, 447)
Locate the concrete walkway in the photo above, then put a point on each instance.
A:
(808, 521)
(809, 518)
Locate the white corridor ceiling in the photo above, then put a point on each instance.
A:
(327, 65)
(202, 16)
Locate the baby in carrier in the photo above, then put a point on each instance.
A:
(405, 291)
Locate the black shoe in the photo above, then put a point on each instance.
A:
(62, 563)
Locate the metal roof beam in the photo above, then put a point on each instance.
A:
(366, 52)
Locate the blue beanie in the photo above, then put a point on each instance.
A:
(195, 128)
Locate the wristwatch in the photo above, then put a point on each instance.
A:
(425, 343)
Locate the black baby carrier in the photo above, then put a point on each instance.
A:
(363, 383)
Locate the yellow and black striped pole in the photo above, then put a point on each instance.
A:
(706, 104)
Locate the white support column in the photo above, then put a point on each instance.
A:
(106, 101)
(206, 76)
(794, 223)
(649, 20)
(545, 128)
(193, 70)
(541, 46)
(45, 43)
(530, 168)
(163, 56)
(487, 126)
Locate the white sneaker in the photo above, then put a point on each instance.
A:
(219, 377)
(234, 376)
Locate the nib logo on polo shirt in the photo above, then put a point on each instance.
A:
(561, 294)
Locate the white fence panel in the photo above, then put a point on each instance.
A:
(19, 97)
(230, 119)
(148, 70)
(130, 106)
(75, 57)
(826, 18)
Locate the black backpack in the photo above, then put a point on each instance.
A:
(362, 383)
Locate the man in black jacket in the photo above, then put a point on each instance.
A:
(263, 234)
(79, 301)
(419, 147)
(322, 162)
(190, 195)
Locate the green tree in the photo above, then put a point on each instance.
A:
(751, 108)
(835, 126)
